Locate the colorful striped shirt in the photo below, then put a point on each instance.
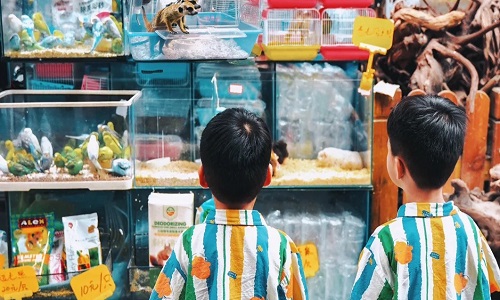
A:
(232, 255)
(430, 251)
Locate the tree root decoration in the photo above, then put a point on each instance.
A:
(449, 20)
(484, 208)
(465, 39)
(435, 45)
(493, 82)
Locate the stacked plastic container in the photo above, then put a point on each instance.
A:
(337, 27)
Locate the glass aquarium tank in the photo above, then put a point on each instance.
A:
(323, 126)
(320, 124)
(173, 110)
(62, 28)
(52, 139)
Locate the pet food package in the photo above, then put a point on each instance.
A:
(32, 237)
(56, 263)
(82, 243)
(4, 250)
(169, 215)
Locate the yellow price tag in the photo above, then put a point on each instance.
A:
(18, 283)
(95, 284)
(373, 31)
(2, 261)
(309, 254)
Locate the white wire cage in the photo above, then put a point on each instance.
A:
(231, 8)
(292, 27)
(251, 13)
(337, 25)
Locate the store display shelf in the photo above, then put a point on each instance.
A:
(33, 184)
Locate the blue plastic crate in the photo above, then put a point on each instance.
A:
(161, 74)
(238, 82)
(35, 84)
(206, 26)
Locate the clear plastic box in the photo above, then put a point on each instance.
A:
(44, 136)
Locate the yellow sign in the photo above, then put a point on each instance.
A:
(95, 284)
(2, 261)
(18, 283)
(373, 31)
(310, 261)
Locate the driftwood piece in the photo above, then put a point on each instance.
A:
(429, 73)
(484, 208)
(449, 20)
(451, 49)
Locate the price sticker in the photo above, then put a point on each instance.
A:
(309, 254)
(2, 261)
(236, 89)
(377, 32)
(95, 284)
(18, 283)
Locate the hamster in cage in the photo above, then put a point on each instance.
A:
(62, 28)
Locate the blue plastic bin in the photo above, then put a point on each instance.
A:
(205, 25)
(152, 74)
(238, 82)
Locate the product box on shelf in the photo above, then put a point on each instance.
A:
(87, 228)
(51, 139)
(212, 30)
(62, 29)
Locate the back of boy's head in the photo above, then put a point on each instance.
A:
(235, 151)
(428, 133)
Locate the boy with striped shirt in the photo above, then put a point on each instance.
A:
(233, 254)
(431, 250)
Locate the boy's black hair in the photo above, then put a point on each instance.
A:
(235, 151)
(428, 132)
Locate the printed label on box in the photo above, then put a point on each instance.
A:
(236, 89)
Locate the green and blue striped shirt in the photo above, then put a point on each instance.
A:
(232, 255)
(430, 251)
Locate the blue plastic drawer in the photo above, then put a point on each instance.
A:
(162, 74)
(238, 82)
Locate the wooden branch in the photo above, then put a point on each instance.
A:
(491, 84)
(425, 20)
(485, 213)
(435, 45)
(455, 7)
(465, 39)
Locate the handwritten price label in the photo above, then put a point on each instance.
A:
(95, 284)
(17, 283)
(309, 254)
(373, 31)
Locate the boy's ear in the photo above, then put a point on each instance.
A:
(269, 175)
(400, 167)
(201, 177)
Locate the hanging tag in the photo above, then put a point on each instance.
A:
(94, 284)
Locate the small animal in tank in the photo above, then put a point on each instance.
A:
(173, 13)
